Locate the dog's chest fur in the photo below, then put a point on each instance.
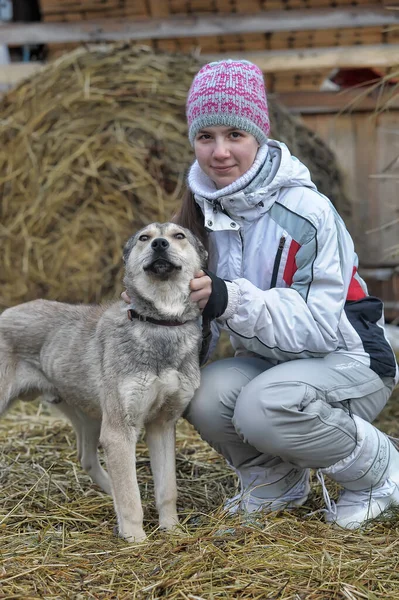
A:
(157, 366)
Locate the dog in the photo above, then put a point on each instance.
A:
(115, 369)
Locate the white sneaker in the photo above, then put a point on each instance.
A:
(289, 490)
(369, 476)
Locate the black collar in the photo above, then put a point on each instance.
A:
(132, 314)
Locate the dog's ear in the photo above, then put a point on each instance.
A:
(128, 248)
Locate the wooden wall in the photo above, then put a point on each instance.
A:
(301, 35)
(367, 149)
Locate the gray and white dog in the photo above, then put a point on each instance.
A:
(113, 370)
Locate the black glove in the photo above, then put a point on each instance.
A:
(218, 299)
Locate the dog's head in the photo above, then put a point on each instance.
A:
(163, 249)
(162, 256)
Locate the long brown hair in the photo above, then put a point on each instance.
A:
(190, 216)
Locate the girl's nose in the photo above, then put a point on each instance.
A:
(220, 149)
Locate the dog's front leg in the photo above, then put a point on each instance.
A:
(119, 443)
(161, 440)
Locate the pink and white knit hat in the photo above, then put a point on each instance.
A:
(230, 93)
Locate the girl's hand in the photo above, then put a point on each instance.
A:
(210, 291)
(126, 298)
(201, 289)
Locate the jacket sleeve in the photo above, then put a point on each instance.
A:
(302, 320)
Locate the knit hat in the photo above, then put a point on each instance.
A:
(230, 93)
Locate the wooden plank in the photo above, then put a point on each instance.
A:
(182, 26)
(252, 6)
(93, 11)
(369, 246)
(158, 8)
(213, 45)
(380, 55)
(288, 81)
(385, 173)
(338, 133)
(281, 41)
(63, 6)
(307, 103)
(279, 62)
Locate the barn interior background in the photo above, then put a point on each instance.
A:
(93, 144)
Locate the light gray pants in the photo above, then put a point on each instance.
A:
(300, 411)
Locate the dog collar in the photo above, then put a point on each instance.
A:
(132, 314)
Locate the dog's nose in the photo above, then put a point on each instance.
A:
(159, 244)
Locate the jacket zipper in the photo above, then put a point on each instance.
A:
(277, 262)
(242, 253)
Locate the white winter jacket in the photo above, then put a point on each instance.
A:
(294, 290)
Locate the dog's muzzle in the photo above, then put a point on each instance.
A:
(161, 264)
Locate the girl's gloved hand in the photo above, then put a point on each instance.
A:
(210, 292)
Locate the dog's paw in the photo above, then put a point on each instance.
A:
(169, 523)
(132, 537)
(136, 538)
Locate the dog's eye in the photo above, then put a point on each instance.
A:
(144, 238)
(179, 236)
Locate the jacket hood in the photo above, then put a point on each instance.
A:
(287, 170)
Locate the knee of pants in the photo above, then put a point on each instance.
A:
(212, 407)
(274, 420)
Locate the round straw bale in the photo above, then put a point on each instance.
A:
(93, 147)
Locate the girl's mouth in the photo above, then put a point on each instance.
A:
(223, 169)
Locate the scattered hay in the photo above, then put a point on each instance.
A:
(92, 148)
(56, 536)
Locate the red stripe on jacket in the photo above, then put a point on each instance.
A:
(355, 290)
(290, 265)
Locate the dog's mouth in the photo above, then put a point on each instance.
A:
(161, 266)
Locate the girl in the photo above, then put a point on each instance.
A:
(312, 367)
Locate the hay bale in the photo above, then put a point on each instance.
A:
(92, 148)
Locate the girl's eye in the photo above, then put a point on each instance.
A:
(204, 136)
(179, 236)
(235, 134)
(144, 238)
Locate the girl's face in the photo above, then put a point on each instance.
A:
(225, 153)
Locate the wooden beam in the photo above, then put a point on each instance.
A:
(334, 102)
(158, 8)
(276, 61)
(308, 59)
(197, 26)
